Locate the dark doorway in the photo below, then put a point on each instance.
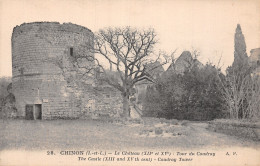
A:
(29, 112)
(71, 51)
(38, 111)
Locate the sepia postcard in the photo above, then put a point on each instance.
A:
(129, 82)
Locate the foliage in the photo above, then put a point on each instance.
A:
(205, 93)
(7, 99)
(193, 95)
(4, 82)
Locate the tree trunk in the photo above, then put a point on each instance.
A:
(126, 107)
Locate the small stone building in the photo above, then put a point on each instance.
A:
(48, 81)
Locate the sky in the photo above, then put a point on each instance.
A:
(204, 25)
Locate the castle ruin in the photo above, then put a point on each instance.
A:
(47, 81)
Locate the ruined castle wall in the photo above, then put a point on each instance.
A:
(41, 68)
(254, 60)
(103, 101)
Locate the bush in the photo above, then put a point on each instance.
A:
(158, 131)
(4, 82)
(7, 99)
(195, 95)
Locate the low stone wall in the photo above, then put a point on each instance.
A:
(246, 130)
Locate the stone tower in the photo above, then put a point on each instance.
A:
(43, 69)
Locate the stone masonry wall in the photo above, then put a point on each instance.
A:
(44, 71)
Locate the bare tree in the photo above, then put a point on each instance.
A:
(252, 94)
(234, 87)
(241, 92)
(240, 87)
(129, 52)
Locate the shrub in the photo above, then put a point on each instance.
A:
(195, 95)
(158, 131)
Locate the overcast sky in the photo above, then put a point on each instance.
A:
(205, 25)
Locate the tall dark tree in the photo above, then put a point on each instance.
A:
(236, 78)
(240, 55)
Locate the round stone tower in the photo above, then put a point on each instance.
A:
(43, 68)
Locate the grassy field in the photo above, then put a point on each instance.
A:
(97, 134)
